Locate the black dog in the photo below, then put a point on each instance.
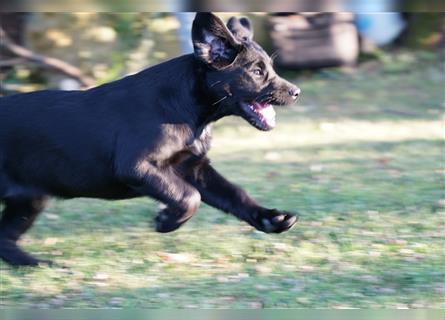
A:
(144, 135)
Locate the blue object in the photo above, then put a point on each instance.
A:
(381, 28)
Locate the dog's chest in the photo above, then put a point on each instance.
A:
(200, 146)
(197, 147)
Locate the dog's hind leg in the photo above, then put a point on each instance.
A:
(18, 216)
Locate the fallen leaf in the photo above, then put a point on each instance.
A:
(100, 276)
(176, 257)
(52, 216)
(50, 241)
(116, 301)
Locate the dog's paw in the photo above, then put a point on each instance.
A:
(168, 221)
(16, 257)
(274, 221)
(165, 223)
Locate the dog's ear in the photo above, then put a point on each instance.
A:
(213, 43)
(241, 28)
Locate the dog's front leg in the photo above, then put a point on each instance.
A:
(181, 199)
(216, 191)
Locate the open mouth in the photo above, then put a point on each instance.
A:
(260, 115)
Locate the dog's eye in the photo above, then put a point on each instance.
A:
(258, 72)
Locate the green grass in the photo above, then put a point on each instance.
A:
(360, 158)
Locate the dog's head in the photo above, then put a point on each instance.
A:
(239, 75)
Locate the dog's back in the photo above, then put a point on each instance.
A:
(64, 142)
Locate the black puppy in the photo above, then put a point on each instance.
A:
(144, 135)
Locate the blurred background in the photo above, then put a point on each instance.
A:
(360, 158)
(103, 47)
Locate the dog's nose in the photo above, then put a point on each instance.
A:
(294, 92)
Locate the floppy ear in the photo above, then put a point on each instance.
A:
(212, 41)
(241, 28)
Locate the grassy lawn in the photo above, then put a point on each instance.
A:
(360, 159)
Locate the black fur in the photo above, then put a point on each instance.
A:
(144, 135)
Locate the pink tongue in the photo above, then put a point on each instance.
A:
(268, 113)
(259, 106)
